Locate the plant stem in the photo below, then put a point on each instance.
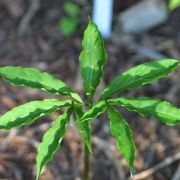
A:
(86, 163)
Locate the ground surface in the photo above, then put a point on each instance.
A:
(42, 46)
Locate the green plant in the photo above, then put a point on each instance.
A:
(173, 4)
(92, 59)
(68, 25)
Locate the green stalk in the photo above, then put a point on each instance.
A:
(86, 154)
(86, 163)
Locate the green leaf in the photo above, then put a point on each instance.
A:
(29, 112)
(156, 108)
(37, 79)
(173, 4)
(122, 133)
(85, 128)
(72, 9)
(68, 25)
(93, 112)
(137, 76)
(92, 58)
(51, 141)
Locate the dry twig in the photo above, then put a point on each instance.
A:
(7, 140)
(176, 175)
(166, 162)
(35, 4)
(141, 49)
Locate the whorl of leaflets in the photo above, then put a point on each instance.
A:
(92, 60)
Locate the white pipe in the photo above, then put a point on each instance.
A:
(102, 16)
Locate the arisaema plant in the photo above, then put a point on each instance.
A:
(92, 59)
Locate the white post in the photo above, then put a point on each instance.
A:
(102, 16)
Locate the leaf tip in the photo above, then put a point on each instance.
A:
(89, 18)
(89, 148)
(38, 173)
(91, 22)
(37, 176)
(131, 170)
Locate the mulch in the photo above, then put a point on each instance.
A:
(42, 46)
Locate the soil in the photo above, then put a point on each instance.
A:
(43, 46)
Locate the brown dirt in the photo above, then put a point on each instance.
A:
(42, 46)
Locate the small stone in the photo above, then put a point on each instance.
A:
(143, 16)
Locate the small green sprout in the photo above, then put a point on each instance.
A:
(69, 23)
(173, 4)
